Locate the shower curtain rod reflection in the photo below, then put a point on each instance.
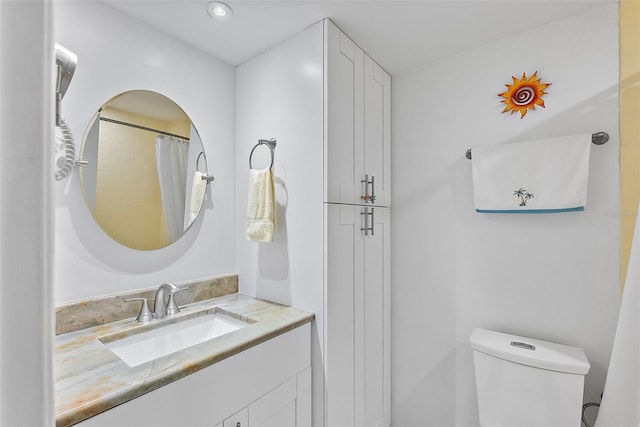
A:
(118, 122)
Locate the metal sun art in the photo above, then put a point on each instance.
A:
(524, 94)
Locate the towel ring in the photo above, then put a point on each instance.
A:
(198, 161)
(271, 143)
(205, 176)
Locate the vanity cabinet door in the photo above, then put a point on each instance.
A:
(275, 409)
(288, 405)
(239, 419)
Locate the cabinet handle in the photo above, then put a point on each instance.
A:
(373, 191)
(366, 228)
(366, 216)
(369, 198)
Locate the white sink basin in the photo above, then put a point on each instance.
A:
(170, 337)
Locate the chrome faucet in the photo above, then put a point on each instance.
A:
(161, 308)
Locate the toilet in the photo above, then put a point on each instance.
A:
(526, 382)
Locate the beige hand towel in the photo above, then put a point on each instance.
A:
(198, 191)
(260, 209)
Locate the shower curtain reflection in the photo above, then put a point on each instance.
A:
(620, 405)
(172, 156)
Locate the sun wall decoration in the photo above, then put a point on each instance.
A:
(524, 94)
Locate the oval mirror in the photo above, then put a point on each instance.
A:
(146, 174)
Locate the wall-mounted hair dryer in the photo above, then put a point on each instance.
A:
(66, 65)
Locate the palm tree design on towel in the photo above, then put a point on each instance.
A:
(524, 196)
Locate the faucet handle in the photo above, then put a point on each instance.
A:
(145, 314)
(172, 307)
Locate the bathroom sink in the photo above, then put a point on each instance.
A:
(168, 336)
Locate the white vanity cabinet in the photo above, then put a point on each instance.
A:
(357, 334)
(358, 112)
(266, 385)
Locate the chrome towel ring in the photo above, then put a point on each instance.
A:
(271, 143)
(205, 175)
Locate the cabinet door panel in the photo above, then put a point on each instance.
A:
(303, 399)
(239, 419)
(377, 129)
(283, 417)
(344, 109)
(374, 317)
(275, 409)
(344, 254)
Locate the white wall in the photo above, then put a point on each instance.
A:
(26, 213)
(117, 53)
(553, 277)
(279, 94)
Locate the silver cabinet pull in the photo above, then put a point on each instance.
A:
(372, 220)
(372, 198)
(369, 197)
(366, 220)
(367, 228)
(365, 181)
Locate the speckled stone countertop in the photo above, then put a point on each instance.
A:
(90, 379)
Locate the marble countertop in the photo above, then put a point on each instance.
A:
(90, 379)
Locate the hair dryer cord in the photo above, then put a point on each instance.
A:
(63, 170)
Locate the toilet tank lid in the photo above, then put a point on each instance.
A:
(546, 355)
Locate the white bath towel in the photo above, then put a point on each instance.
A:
(543, 176)
(198, 190)
(260, 208)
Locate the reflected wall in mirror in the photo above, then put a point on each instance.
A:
(145, 161)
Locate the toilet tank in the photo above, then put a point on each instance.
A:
(527, 382)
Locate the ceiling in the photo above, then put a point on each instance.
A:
(397, 34)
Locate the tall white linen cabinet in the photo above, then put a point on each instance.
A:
(357, 274)
(327, 103)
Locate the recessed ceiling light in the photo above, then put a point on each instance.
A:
(217, 9)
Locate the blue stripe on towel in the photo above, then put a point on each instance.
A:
(531, 211)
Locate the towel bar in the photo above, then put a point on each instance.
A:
(598, 138)
(271, 143)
